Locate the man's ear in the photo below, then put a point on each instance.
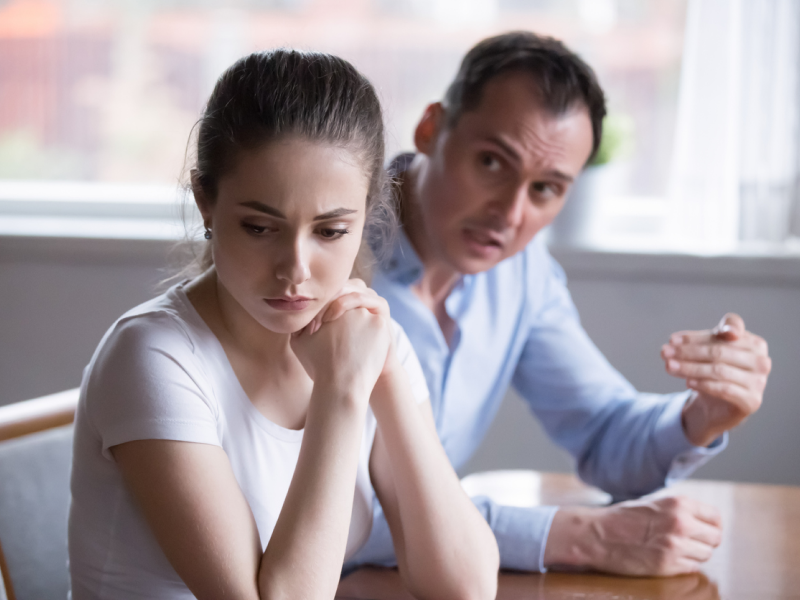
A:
(200, 198)
(428, 128)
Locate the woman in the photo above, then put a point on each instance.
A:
(224, 426)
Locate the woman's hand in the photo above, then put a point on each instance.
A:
(348, 352)
(354, 294)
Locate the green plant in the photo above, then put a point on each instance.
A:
(617, 140)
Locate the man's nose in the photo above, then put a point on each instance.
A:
(292, 265)
(511, 208)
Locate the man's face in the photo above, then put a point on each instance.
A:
(499, 175)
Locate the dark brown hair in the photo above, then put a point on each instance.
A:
(564, 80)
(269, 95)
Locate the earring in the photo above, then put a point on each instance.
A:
(207, 234)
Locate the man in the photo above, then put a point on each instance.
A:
(485, 306)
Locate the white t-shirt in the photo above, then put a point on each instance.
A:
(160, 373)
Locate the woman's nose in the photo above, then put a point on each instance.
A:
(292, 266)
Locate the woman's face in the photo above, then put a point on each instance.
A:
(287, 226)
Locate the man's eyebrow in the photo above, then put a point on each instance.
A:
(554, 173)
(274, 212)
(562, 176)
(506, 147)
(265, 208)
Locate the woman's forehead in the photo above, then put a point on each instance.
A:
(298, 176)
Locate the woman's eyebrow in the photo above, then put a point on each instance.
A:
(335, 214)
(274, 212)
(265, 208)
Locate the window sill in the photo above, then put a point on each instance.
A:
(751, 264)
(112, 224)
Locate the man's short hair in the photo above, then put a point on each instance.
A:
(562, 77)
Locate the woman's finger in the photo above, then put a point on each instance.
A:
(372, 302)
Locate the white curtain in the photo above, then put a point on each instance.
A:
(736, 169)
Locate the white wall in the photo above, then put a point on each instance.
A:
(59, 296)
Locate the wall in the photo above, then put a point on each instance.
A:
(58, 296)
(631, 304)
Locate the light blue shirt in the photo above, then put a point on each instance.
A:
(516, 325)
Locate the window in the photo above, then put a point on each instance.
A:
(107, 91)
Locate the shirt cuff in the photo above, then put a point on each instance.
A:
(676, 455)
(521, 533)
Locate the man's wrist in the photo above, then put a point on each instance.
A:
(572, 540)
(695, 422)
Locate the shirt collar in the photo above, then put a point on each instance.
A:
(403, 265)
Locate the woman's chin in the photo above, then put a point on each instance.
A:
(288, 324)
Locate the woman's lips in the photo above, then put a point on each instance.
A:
(290, 304)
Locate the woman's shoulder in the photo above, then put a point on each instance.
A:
(148, 377)
(165, 320)
(156, 336)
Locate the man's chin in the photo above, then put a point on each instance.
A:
(468, 265)
(468, 262)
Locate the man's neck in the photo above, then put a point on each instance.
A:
(438, 278)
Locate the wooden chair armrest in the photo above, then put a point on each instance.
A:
(38, 414)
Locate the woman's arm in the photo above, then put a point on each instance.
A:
(444, 547)
(202, 521)
(204, 525)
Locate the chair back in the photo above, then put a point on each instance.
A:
(3, 595)
(34, 498)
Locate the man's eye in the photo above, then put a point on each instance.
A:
(333, 234)
(490, 161)
(545, 190)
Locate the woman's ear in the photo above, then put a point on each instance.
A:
(200, 198)
(428, 128)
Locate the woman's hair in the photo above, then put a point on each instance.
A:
(270, 95)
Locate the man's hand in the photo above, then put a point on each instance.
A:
(727, 367)
(646, 537)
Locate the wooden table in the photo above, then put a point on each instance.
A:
(759, 558)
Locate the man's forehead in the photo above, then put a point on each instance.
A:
(528, 131)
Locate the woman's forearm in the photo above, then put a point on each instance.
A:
(449, 549)
(305, 553)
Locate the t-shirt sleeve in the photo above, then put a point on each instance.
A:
(408, 358)
(147, 383)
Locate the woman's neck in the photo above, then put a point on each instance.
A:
(233, 325)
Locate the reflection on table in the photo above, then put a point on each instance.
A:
(759, 558)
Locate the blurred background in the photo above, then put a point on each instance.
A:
(692, 210)
(107, 90)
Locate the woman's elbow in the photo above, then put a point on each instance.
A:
(477, 585)
(487, 574)
(476, 579)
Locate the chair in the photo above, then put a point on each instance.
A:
(35, 464)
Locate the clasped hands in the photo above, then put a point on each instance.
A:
(349, 341)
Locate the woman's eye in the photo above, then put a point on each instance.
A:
(333, 234)
(254, 229)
